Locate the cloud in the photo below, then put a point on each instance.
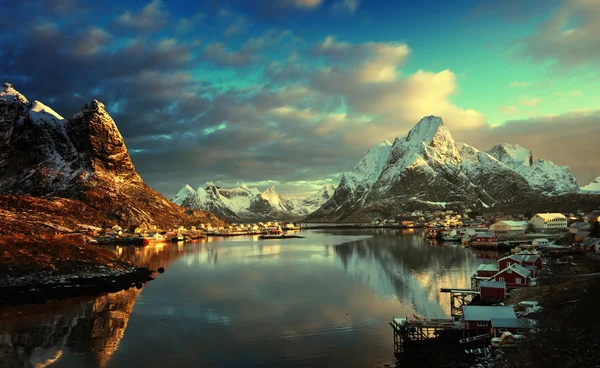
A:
(509, 110)
(573, 93)
(531, 102)
(90, 40)
(151, 17)
(238, 27)
(61, 7)
(346, 6)
(545, 137)
(304, 4)
(219, 54)
(568, 38)
(519, 84)
(185, 25)
(512, 10)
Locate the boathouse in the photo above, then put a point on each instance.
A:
(486, 238)
(487, 270)
(491, 291)
(517, 326)
(515, 276)
(479, 317)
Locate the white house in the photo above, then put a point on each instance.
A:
(549, 221)
(579, 226)
(540, 242)
(508, 228)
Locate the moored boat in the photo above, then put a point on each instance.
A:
(154, 239)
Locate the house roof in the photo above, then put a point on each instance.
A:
(579, 225)
(518, 269)
(550, 216)
(513, 223)
(527, 258)
(583, 233)
(488, 267)
(512, 322)
(493, 284)
(486, 313)
(589, 242)
(484, 235)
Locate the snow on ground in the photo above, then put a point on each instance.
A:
(593, 187)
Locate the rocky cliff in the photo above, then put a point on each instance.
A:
(83, 159)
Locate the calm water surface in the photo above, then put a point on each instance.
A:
(244, 302)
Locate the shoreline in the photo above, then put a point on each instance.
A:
(71, 286)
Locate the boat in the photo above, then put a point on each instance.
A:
(177, 238)
(154, 239)
(280, 236)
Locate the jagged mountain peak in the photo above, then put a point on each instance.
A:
(593, 187)
(507, 152)
(427, 129)
(10, 94)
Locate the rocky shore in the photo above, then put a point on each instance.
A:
(37, 269)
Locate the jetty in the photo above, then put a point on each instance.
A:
(283, 236)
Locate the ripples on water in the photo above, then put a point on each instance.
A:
(325, 300)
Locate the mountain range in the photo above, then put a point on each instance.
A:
(243, 204)
(60, 172)
(427, 169)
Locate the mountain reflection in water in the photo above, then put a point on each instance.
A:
(245, 302)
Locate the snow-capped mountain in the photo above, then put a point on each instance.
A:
(427, 168)
(593, 187)
(82, 158)
(542, 175)
(243, 204)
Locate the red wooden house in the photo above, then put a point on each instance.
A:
(487, 270)
(531, 262)
(516, 326)
(515, 276)
(490, 291)
(486, 238)
(479, 317)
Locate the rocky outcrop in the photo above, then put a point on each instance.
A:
(83, 158)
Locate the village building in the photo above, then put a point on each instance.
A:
(540, 242)
(491, 291)
(520, 259)
(549, 222)
(579, 226)
(516, 326)
(479, 317)
(515, 276)
(487, 270)
(486, 238)
(507, 229)
(582, 235)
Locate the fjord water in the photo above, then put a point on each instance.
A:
(325, 300)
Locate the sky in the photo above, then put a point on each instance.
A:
(292, 93)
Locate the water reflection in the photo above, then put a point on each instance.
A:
(92, 328)
(245, 302)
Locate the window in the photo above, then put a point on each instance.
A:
(518, 280)
(509, 271)
(501, 279)
(482, 324)
(501, 330)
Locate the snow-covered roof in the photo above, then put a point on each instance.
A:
(518, 269)
(591, 241)
(486, 313)
(493, 284)
(529, 258)
(550, 216)
(487, 267)
(512, 223)
(512, 322)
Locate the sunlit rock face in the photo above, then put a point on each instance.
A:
(83, 157)
(427, 169)
(94, 328)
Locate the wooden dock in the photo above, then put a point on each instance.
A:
(417, 329)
